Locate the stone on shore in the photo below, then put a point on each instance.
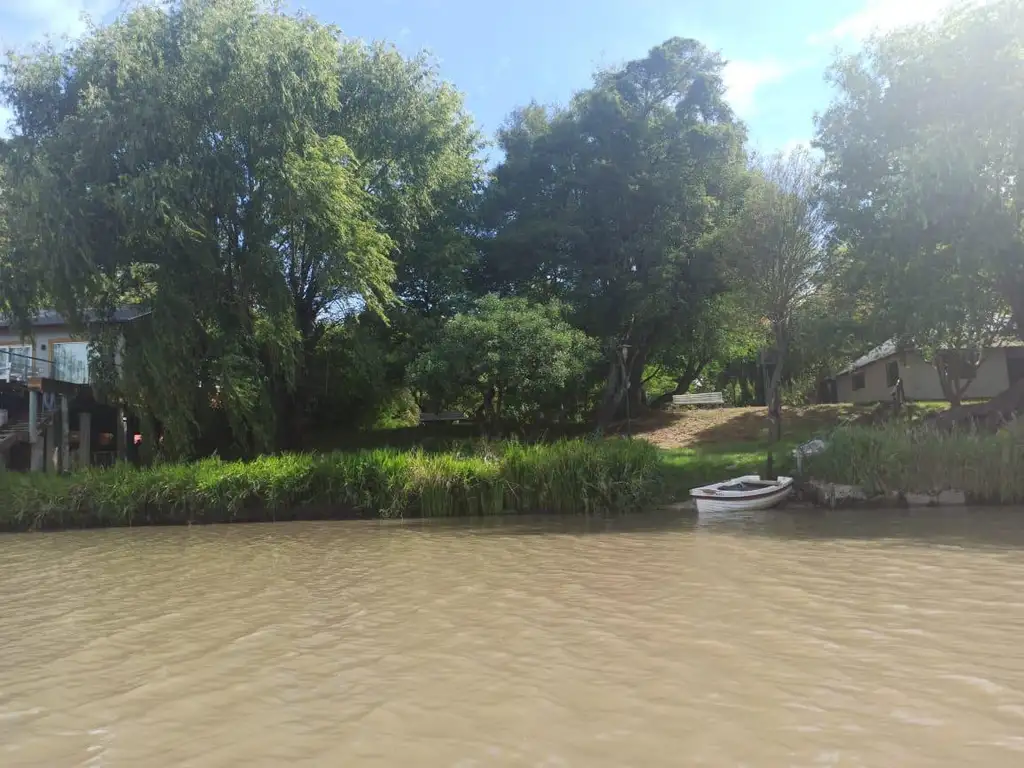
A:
(951, 499)
(913, 500)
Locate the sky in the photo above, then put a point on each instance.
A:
(504, 54)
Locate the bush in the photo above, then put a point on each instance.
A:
(508, 358)
(920, 460)
(568, 477)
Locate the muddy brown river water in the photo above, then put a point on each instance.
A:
(780, 639)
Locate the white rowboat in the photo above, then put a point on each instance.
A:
(741, 494)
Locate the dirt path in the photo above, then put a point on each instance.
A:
(709, 426)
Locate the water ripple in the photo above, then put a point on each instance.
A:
(770, 640)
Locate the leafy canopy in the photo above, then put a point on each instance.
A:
(508, 358)
(606, 204)
(923, 162)
(243, 172)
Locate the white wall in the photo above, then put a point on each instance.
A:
(921, 381)
(876, 388)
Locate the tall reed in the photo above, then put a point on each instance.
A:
(988, 467)
(569, 477)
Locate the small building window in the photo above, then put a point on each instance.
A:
(892, 373)
(858, 381)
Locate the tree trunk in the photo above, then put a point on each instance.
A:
(997, 411)
(487, 415)
(953, 387)
(635, 370)
(625, 377)
(614, 392)
(683, 383)
(773, 397)
(948, 390)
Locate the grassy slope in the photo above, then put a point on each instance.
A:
(709, 445)
(698, 446)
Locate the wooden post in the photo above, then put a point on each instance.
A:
(33, 417)
(38, 448)
(65, 435)
(122, 435)
(52, 452)
(84, 440)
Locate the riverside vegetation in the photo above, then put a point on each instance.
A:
(342, 256)
(987, 467)
(465, 478)
(567, 477)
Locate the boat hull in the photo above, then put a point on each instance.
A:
(712, 499)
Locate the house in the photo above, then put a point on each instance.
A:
(48, 413)
(52, 351)
(871, 378)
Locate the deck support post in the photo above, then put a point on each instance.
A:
(84, 440)
(122, 435)
(65, 436)
(52, 449)
(38, 461)
(33, 417)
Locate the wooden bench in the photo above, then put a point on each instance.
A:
(452, 417)
(702, 398)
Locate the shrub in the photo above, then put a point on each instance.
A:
(574, 476)
(511, 359)
(920, 460)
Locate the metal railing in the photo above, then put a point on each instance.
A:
(19, 367)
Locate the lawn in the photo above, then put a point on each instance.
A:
(687, 468)
(710, 445)
(697, 446)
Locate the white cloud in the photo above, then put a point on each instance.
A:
(744, 78)
(880, 16)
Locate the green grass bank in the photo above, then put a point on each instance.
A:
(988, 467)
(567, 477)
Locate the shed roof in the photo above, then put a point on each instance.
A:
(890, 348)
(49, 318)
(882, 351)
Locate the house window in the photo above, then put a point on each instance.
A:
(70, 361)
(15, 363)
(892, 373)
(858, 381)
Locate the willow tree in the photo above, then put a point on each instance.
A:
(607, 203)
(774, 250)
(924, 166)
(215, 160)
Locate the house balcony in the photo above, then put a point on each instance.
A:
(20, 368)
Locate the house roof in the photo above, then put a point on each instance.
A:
(882, 351)
(890, 348)
(48, 317)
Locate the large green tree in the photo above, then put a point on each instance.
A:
(507, 360)
(245, 173)
(723, 331)
(923, 164)
(607, 204)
